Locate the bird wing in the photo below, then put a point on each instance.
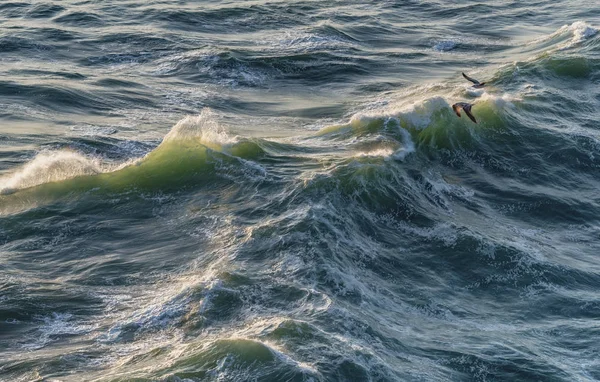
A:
(456, 108)
(473, 80)
(467, 110)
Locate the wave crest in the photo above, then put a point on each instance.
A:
(203, 129)
(195, 145)
(578, 32)
(581, 31)
(51, 166)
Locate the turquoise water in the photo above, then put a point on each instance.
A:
(280, 191)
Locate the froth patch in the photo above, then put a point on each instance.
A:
(203, 129)
(54, 327)
(383, 152)
(50, 166)
(581, 31)
(473, 92)
(500, 102)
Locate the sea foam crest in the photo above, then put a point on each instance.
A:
(50, 166)
(420, 114)
(565, 37)
(417, 115)
(581, 31)
(202, 128)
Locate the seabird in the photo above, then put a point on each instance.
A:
(466, 107)
(476, 83)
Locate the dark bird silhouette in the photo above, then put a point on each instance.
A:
(476, 84)
(466, 107)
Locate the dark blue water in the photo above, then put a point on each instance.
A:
(280, 191)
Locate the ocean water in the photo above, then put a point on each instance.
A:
(280, 191)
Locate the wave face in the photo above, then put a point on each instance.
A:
(281, 191)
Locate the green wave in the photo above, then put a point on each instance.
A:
(244, 358)
(174, 164)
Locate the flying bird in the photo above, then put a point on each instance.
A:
(466, 107)
(476, 84)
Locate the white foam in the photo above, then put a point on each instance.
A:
(55, 325)
(50, 166)
(203, 128)
(474, 92)
(415, 115)
(375, 153)
(287, 359)
(581, 31)
(168, 309)
(419, 114)
(408, 148)
(503, 101)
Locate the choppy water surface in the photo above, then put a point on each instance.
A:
(280, 191)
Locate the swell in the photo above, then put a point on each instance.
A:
(80, 19)
(55, 97)
(190, 154)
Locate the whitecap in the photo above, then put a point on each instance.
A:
(50, 166)
(203, 128)
(581, 31)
